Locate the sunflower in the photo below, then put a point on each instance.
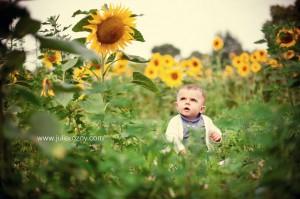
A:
(185, 64)
(261, 55)
(111, 30)
(195, 63)
(173, 77)
(286, 38)
(151, 71)
(274, 63)
(218, 43)
(288, 54)
(228, 71)
(236, 61)
(47, 88)
(245, 57)
(208, 73)
(120, 67)
(13, 76)
(254, 57)
(80, 73)
(255, 67)
(244, 70)
(50, 58)
(168, 60)
(156, 60)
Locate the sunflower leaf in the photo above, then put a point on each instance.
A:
(69, 64)
(260, 41)
(63, 98)
(104, 7)
(78, 12)
(134, 58)
(68, 46)
(80, 40)
(24, 93)
(111, 58)
(136, 15)
(137, 35)
(140, 79)
(65, 87)
(79, 26)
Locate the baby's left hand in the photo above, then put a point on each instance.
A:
(215, 137)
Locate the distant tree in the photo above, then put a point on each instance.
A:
(166, 49)
(282, 14)
(231, 44)
(196, 54)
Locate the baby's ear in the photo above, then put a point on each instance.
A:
(202, 109)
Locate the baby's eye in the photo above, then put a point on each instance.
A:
(182, 98)
(194, 100)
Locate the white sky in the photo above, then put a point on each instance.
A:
(187, 24)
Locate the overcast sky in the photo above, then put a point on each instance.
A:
(187, 24)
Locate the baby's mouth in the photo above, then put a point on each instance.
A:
(186, 108)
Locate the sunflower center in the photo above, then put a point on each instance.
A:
(156, 63)
(216, 43)
(244, 68)
(52, 58)
(195, 64)
(286, 37)
(110, 31)
(174, 76)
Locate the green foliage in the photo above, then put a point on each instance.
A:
(107, 140)
(144, 81)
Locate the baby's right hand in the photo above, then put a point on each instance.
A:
(182, 152)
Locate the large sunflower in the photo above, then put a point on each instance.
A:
(111, 29)
(286, 38)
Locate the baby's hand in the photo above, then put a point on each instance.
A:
(215, 137)
(182, 152)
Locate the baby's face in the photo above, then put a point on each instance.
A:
(190, 103)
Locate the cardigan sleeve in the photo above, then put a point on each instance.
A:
(212, 128)
(173, 132)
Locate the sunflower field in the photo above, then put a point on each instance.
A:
(90, 120)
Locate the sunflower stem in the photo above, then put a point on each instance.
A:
(102, 61)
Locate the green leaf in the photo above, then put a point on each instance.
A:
(68, 46)
(140, 79)
(63, 98)
(134, 58)
(65, 87)
(78, 12)
(24, 93)
(93, 104)
(79, 26)
(136, 15)
(69, 64)
(80, 40)
(111, 58)
(15, 60)
(43, 123)
(137, 35)
(260, 41)
(26, 26)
